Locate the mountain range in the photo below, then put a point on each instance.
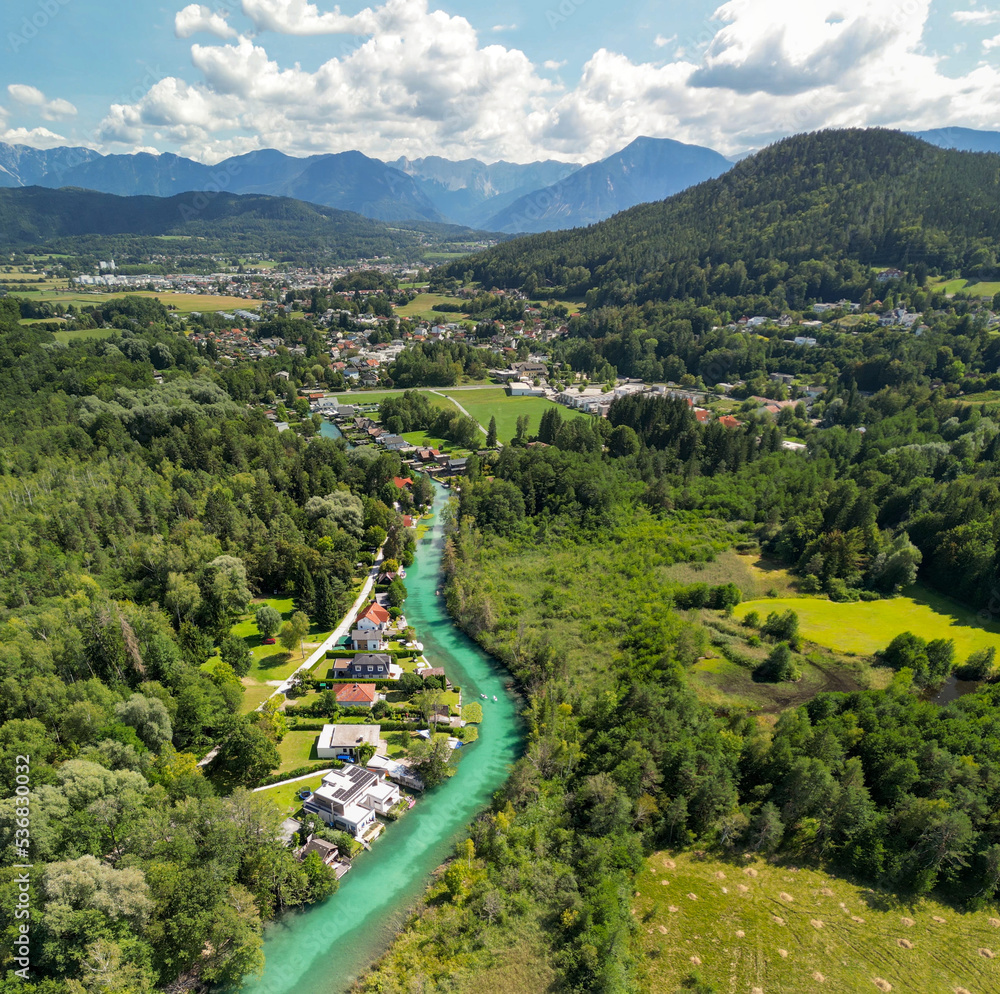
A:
(502, 196)
(805, 218)
(89, 221)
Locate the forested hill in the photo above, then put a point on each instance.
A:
(832, 197)
(258, 223)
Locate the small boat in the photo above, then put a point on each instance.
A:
(494, 697)
(483, 696)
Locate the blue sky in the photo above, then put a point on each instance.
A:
(567, 79)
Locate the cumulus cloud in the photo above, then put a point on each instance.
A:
(418, 81)
(195, 18)
(299, 17)
(35, 137)
(31, 96)
(976, 16)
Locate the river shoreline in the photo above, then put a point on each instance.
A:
(326, 948)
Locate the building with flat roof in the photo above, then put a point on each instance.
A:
(336, 741)
(349, 799)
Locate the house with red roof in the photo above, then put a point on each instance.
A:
(728, 421)
(358, 695)
(373, 618)
(402, 482)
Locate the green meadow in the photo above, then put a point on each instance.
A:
(867, 626)
(494, 402)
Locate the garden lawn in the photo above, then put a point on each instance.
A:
(973, 287)
(297, 749)
(285, 796)
(865, 627)
(752, 926)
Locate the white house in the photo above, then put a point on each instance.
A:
(349, 799)
(343, 741)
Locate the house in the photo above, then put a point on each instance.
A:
(728, 421)
(457, 465)
(436, 671)
(371, 640)
(339, 741)
(394, 442)
(373, 618)
(402, 482)
(358, 695)
(349, 799)
(373, 666)
(327, 851)
(408, 521)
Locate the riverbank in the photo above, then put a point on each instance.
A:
(327, 947)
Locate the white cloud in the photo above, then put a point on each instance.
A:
(504, 27)
(299, 17)
(991, 43)
(418, 81)
(553, 65)
(35, 137)
(976, 16)
(661, 41)
(31, 96)
(195, 18)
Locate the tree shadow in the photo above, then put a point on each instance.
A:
(274, 660)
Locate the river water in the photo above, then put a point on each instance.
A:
(324, 949)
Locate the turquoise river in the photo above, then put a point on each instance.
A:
(325, 949)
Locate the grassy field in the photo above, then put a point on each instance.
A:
(72, 336)
(270, 663)
(422, 306)
(185, 303)
(976, 288)
(865, 627)
(494, 402)
(755, 577)
(756, 928)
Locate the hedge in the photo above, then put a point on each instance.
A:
(351, 653)
(302, 771)
(385, 726)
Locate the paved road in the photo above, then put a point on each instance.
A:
(320, 653)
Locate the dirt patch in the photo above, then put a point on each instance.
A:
(786, 897)
(882, 985)
(692, 897)
(826, 892)
(962, 990)
(816, 923)
(669, 864)
(673, 910)
(859, 920)
(908, 922)
(719, 875)
(756, 990)
(778, 919)
(663, 883)
(995, 922)
(904, 943)
(663, 929)
(938, 919)
(750, 871)
(740, 933)
(986, 953)
(696, 960)
(783, 953)
(819, 978)
(742, 888)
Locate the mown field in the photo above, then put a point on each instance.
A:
(865, 627)
(494, 402)
(184, 303)
(976, 288)
(422, 306)
(755, 928)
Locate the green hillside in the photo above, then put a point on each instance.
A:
(806, 217)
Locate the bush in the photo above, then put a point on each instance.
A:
(782, 627)
(751, 619)
(979, 666)
(779, 667)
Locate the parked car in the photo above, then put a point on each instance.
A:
(269, 641)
